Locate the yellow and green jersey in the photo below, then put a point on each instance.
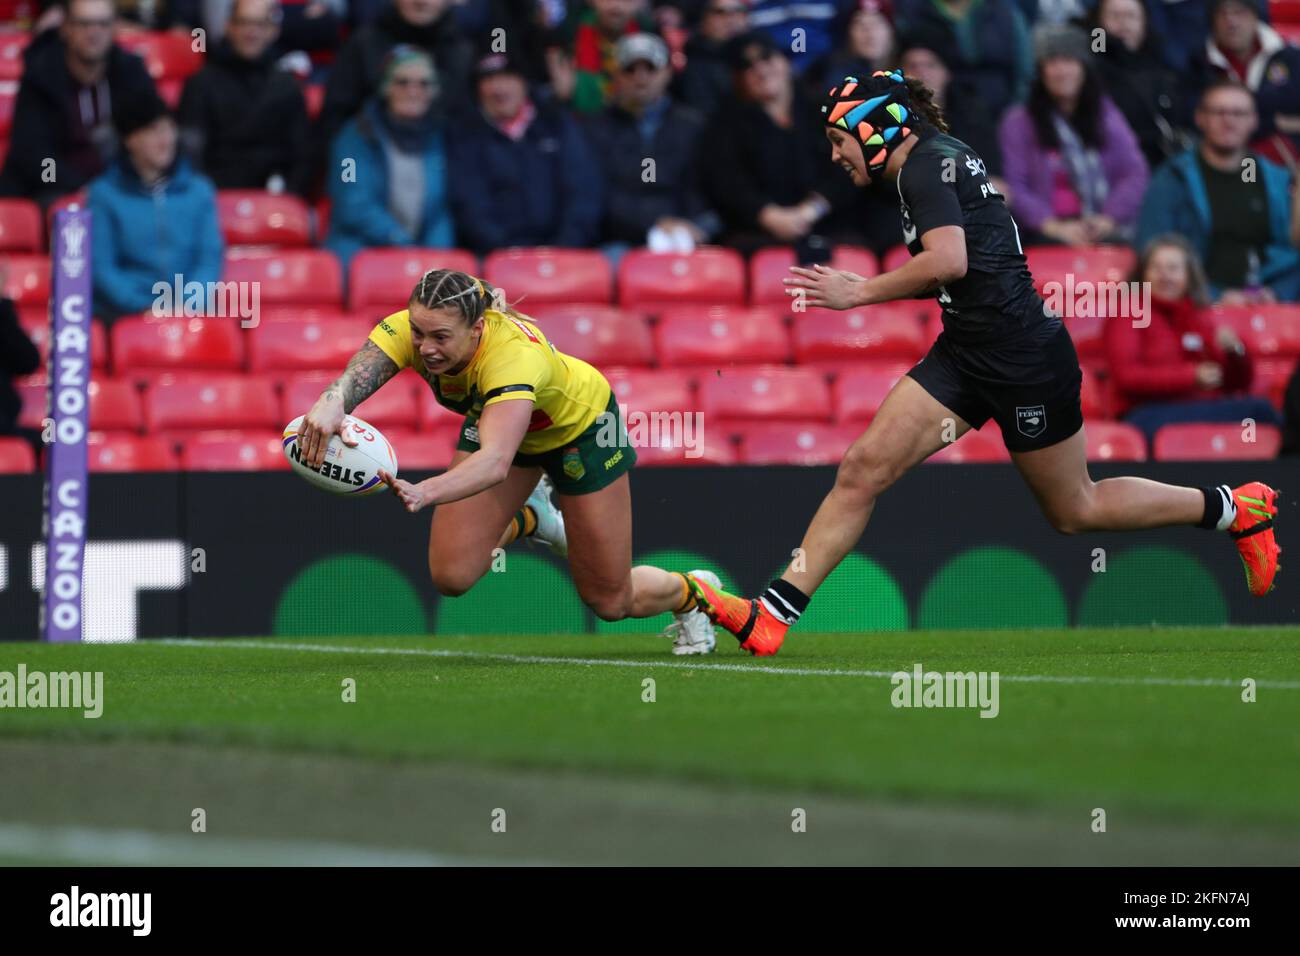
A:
(513, 361)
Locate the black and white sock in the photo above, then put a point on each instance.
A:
(1220, 508)
(784, 601)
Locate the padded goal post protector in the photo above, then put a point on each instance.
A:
(66, 483)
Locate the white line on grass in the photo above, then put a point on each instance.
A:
(124, 847)
(775, 670)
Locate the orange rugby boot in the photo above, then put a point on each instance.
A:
(758, 631)
(1253, 531)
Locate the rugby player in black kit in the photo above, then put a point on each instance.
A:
(1002, 355)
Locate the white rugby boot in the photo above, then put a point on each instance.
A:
(550, 522)
(692, 632)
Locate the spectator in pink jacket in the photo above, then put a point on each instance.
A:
(1074, 171)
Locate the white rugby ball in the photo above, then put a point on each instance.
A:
(346, 470)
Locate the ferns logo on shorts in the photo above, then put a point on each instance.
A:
(573, 466)
(1031, 420)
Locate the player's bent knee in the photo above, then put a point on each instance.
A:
(1075, 516)
(610, 607)
(451, 581)
(863, 472)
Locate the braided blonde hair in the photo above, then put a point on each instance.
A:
(448, 288)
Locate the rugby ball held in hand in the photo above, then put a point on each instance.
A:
(346, 470)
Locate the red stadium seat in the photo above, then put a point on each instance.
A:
(305, 345)
(713, 447)
(1086, 264)
(550, 275)
(234, 451)
(167, 54)
(256, 217)
(122, 451)
(29, 278)
(1115, 441)
(382, 279)
(710, 275)
(16, 457)
(651, 391)
(35, 321)
(21, 228)
(423, 451)
(771, 393)
(1089, 334)
(431, 416)
(894, 258)
(975, 447)
(796, 443)
(140, 343)
(1290, 32)
(858, 392)
(721, 336)
(220, 403)
(1267, 331)
(889, 331)
(297, 276)
(32, 396)
(599, 334)
(1212, 442)
(768, 268)
(1093, 396)
(1271, 378)
(115, 405)
(12, 45)
(8, 99)
(394, 405)
(312, 314)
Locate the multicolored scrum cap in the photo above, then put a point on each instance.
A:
(877, 111)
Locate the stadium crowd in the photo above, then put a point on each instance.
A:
(1170, 128)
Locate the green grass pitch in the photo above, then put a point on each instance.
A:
(545, 749)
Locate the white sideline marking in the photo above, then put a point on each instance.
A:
(70, 844)
(686, 665)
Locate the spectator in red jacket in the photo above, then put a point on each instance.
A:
(1179, 367)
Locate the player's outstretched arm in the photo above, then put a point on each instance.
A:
(368, 369)
(501, 429)
(942, 260)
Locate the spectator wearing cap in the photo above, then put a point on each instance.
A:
(1138, 81)
(63, 113)
(706, 79)
(523, 170)
(768, 171)
(155, 217)
(819, 24)
(1244, 48)
(969, 119)
(359, 69)
(243, 121)
(1073, 167)
(388, 166)
(987, 45)
(582, 69)
(643, 123)
(869, 45)
(1235, 207)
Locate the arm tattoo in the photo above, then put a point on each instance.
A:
(366, 371)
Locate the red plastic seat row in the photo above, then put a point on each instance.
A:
(1210, 442)
(22, 228)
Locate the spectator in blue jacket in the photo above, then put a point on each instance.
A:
(388, 166)
(524, 172)
(1233, 206)
(154, 217)
(822, 24)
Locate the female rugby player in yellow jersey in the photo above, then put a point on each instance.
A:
(531, 414)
